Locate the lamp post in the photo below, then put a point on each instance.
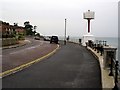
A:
(65, 33)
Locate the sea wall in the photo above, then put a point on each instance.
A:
(107, 81)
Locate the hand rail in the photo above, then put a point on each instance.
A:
(117, 70)
(114, 64)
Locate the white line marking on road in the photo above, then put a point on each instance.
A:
(20, 51)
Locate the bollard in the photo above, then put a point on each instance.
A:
(100, 42)
(95, 47)
(79, 41)
(105, 43)
(64, 42)
(101, 50)
(86, 44)
(98, 47)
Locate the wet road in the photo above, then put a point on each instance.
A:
(71, 67)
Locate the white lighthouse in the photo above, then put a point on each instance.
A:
(88, 15)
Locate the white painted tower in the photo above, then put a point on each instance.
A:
(88, 15)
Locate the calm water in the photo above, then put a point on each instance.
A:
(113, 41)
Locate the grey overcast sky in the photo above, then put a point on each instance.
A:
(49, 15)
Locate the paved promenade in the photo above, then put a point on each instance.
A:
(73, 66)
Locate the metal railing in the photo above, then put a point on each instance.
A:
(114, 64)
(96, 46)
(114, 71)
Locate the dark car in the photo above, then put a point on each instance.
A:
(54, 39)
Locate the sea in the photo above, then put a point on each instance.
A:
(112, 41)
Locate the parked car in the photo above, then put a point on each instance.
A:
(47, 38)
(37, 38)
(54, 39)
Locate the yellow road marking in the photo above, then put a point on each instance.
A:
(8, 72)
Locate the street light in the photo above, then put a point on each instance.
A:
(65, 33)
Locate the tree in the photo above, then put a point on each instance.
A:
(26, 23)
(35, 27)
(28, 28)
(38, 34)
(35, 30)
(15, 24)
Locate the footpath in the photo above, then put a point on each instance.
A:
(106, 80)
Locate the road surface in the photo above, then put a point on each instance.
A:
(71, 67)
(15, 57)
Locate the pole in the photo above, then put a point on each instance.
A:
(65, 34)
(88, 25)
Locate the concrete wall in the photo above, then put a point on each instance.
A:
(9, 41)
